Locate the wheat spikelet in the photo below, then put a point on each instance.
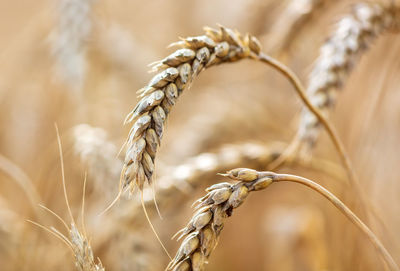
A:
(202, 232)
(339, 55)
(176, 73)
(77, 241)
(84, 259)
(69, 40)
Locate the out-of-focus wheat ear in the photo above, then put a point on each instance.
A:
(180, 181)
(202, 232)
(354, 33)
(69, 40)
(99, 155)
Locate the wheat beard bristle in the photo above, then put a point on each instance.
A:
(176, 72)
(338, 55)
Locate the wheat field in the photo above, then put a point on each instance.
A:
(134, 133)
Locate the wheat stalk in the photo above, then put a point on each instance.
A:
(202, 232)
(353, 34)
(337, 57)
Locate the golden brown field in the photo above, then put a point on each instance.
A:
(299, 91)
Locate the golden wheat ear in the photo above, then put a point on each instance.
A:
(202, 232)
(175, 74)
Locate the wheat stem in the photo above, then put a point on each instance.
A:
(295, 81)
(387, 258)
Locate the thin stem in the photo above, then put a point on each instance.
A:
(295, 81)
(21, 178)
(344, 209)
(63, 174)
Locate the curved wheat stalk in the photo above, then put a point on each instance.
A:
(339, 55)
(202, 232)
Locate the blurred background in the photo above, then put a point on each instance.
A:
(79, 63)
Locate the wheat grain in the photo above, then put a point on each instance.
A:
(202, 232)
(176, 73)
(339, 55)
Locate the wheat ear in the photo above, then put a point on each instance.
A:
(70, 39)
(202, 232)
(340, 53)
(177, 72)
(98, 154)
